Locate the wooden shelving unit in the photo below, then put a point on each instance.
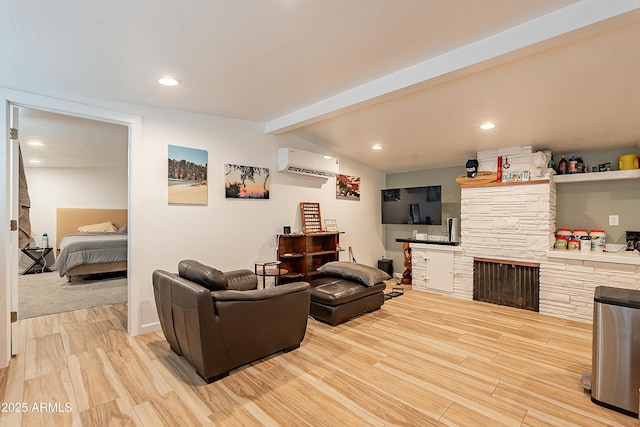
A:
(302, 254)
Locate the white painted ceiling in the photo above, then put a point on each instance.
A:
(417, 76)
(53, 140)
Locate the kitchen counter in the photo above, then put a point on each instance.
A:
(433, 245)
(630, 258)
(428, 242)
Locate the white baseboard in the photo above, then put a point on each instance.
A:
(149, 327)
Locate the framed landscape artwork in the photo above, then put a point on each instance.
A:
(187, 184)
(347, 187)
(246, 182)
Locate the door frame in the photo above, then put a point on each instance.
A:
(134, 273)
(14, 211)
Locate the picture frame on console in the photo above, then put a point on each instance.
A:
(330, 225)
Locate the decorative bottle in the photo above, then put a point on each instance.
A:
(580, 165)
(562, 166)
(573, 165)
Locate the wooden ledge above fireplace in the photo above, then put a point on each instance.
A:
(505, 184)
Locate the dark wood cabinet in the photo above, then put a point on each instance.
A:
(302, 254)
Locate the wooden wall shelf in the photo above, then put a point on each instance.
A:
(505, 184)
(597, 176)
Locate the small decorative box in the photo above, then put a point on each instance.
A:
(515, 176)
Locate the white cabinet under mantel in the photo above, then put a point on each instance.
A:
(432, 266)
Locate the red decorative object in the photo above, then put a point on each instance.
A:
(406, 275)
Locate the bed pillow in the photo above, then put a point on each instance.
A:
(203, 275)
(360, 273)
(124, 229)
(102, 227)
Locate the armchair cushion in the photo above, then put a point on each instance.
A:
(360, 273)
(241, 280)
(203, 275)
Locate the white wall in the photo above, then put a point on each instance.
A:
(231, 233)
(52, 188)
(228, 234)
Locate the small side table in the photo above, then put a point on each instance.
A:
(37, 255)
(269, 269)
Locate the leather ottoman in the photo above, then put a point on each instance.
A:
(335, 300)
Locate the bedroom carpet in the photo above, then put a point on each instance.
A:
(48, 293)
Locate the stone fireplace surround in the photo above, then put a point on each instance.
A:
(517, 222)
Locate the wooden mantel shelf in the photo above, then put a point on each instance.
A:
(504, 184)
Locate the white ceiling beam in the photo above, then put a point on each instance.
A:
(465, 59)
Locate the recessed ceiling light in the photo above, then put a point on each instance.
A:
(487, 126)
(169, 81)
(36, 143)
(376, 147)
(327, 157)
(34, 161)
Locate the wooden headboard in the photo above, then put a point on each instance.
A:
(69, 219)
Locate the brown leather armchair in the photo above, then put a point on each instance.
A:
(220, 321)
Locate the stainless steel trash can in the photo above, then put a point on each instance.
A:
(616, 349)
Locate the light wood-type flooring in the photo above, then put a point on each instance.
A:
(422, 359)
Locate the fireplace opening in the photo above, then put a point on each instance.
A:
(514, 284)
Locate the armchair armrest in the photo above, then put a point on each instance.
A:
(259, 294)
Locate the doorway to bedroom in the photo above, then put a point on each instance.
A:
(76, 172)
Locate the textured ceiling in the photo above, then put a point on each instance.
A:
(417, 76)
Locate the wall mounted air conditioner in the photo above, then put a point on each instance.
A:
(302, 162)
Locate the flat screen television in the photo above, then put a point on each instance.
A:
(415, 205)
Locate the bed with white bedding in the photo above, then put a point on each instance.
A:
(84, 251)
(79, 249)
